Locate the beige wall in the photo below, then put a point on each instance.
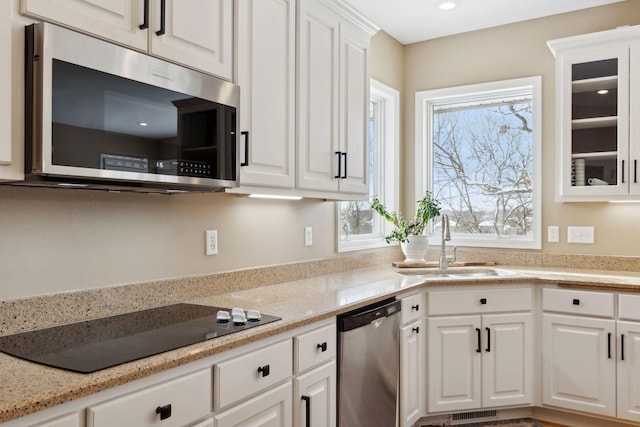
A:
(62, 240)
(520, 50)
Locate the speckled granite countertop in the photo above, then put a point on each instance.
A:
(28, 387)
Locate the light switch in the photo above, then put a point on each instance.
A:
(553, 234)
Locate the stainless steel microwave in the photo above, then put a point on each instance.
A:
(102, 116)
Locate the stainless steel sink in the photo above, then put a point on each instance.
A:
(454, 272)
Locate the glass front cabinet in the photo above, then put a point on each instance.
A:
(598, 115)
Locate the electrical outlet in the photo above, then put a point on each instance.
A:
(553, 234)
(579, 234)
(211, 242)
(308, 236)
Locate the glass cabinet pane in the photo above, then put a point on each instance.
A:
(594, 113)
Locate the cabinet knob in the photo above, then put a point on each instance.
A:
(483, 300)
(415, 307)
(576, 301)
(416, 329)
(264, 370)
(164, 411)
(322, 347)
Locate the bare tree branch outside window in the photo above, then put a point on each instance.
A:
(483, 168)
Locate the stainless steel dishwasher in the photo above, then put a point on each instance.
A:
(369, 358)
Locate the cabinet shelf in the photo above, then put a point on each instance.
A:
(595, 122)
(601, 155)
(593, 85)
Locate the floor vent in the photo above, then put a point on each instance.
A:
(465, 417)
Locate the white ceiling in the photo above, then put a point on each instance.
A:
(410, 21)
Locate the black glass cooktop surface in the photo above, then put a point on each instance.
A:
(96, 344)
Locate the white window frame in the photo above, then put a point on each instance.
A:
(389, 165)
(424, 104)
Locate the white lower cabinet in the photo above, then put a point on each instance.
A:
(481, 360)
(315, 397)
(591, 358)
(411, 379)
(176, 403)
(578, 364)
(269, 409)
(628, 368)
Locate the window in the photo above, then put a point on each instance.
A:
(358, 226)
(478, 151)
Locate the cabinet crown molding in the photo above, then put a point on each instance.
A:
(347, 11)
(623, 34)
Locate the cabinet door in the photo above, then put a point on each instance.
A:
(578, 369)
(317, 117)
(315, 397)
(270, 409)
(266, 73)
(507, 360)
(594, 119)
(12, 90)
(116, 20)
(634, 125)
(198, 34)
(354, 109)
(454, 363)
(629, 371)
(411, 374)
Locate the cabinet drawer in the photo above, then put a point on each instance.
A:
(478, 301)
(412, 307)
(189, 397)
(251, 372)
(629, 307)
(578, 302)
(315, 347)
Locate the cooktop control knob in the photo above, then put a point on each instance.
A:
(239, 318)
(223, 316)
(253, 315)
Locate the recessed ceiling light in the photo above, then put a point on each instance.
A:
(447, 5)
(603, 91)
(143, 124)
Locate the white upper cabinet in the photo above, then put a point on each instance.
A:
(12, 94)
(117, 20)
(266, 74)
(333, 99)
(194, 33)
(303, 67)
(597, 110)
(318, 85)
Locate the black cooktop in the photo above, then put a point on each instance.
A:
(101, 343)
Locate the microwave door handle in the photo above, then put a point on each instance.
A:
(163, 17)
(145, 22)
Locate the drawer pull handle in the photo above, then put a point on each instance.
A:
(483, 300)
(576, 301)
(264, 370)
(416, 329)
(164, 411)
(415, 307)
(322, 347)
(478, 349)
(307, 410)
